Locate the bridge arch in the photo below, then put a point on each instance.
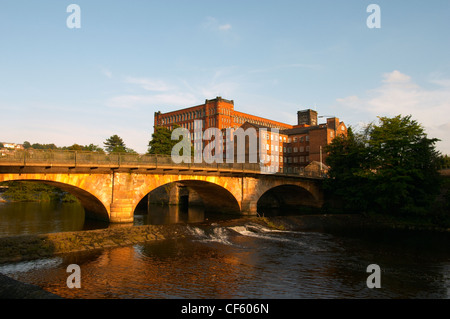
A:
(286, 196)
(215, 197)
(94, 208)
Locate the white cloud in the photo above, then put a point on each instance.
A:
(225, 27)
(396, 77)
(399, 94)
(137, 101)
(149, 84)
(175, 94)
(107, 72)
(213, 24)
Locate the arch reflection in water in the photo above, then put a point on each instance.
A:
(170, 214)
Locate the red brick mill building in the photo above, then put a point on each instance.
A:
(291, 149)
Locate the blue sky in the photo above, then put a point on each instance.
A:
(273, 58)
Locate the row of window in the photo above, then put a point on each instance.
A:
(288, 160)
(300, 149)
(299, 159)
(276, 169)
(285, 149)
(173, 119)
(295, 139)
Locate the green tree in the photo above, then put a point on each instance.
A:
(391, 167)
(161, 142)
(404, 164)
(74, 147)
(94, 148)
(38, 146)
(115, 144)
(26, 145)
(90, 148)
(21, 191)
(347, 159)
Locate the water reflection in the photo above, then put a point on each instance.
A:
(169, 214)
(44, 217)
(264, 265)
(173, 214)
(25, 218)
(232, 261)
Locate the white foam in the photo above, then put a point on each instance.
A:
(218, 234)
(25, 266)
(259, 231)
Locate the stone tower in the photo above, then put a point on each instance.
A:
(308, 117)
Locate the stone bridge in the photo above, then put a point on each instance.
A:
(111, 186)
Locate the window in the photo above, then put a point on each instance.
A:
(295, 140)
(295, 149)
(307, 148)
(302, 149)
(307, 138)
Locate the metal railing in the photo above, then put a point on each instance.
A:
(73, 159)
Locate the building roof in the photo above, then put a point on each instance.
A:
(298, 130)
(258, 126)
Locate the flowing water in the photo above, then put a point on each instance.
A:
(223, 259)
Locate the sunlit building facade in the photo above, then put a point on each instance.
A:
(280, 146)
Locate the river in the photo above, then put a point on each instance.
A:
(226, 260)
